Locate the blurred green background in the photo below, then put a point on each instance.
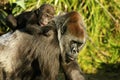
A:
(100, 58)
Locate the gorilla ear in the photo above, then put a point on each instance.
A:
(63, 29)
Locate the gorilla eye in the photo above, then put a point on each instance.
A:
(79, 43)
(76, 42)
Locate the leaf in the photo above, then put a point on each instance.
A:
(12, 1)
(21, 3)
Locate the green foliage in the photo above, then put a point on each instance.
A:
(103, 29)
(102, 19)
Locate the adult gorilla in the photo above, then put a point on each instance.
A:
(64, 35)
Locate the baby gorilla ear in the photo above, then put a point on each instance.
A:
(37, 11)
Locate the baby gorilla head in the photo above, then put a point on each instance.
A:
(45, 13)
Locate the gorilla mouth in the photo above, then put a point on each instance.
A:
(70, 57)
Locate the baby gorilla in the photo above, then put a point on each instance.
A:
(31, 21)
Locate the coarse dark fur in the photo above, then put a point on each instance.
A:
(20, 50)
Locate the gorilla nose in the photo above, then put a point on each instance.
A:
(74, 51)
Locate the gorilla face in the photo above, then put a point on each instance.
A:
(71, 33)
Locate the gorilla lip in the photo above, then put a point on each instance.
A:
(70, 57)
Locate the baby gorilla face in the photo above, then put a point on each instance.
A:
(46, 13)
(45, 18)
